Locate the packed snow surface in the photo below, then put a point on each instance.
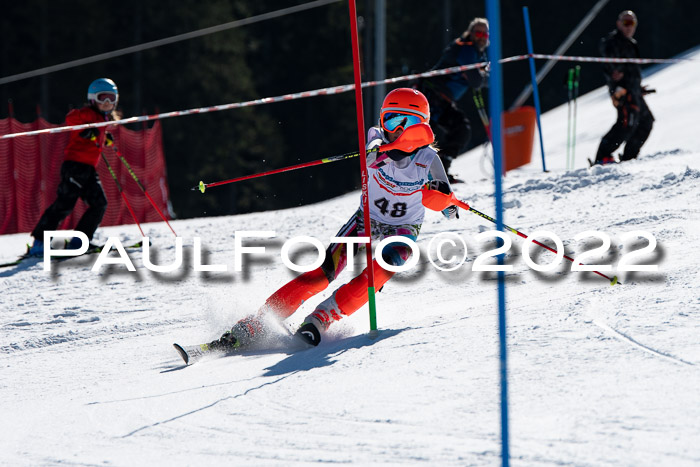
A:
(598, 374)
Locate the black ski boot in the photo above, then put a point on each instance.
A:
(226, 342)
(309, 333)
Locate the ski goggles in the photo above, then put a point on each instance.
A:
(103, 97)
(392, 121)
(627, 22)
(479, 35)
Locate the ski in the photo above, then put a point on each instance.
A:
(593, 163)
(15, 262)
(96, 249)
(192, 353)
(18, 260)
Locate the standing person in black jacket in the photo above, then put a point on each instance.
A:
(444, 91)
(634, 120)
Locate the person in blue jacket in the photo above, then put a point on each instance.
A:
(444, 91)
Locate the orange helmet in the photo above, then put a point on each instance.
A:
(407, 102)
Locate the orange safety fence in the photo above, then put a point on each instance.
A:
(30, 172)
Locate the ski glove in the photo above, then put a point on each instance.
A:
(93, 133)
(374, 143)
(90, 133)
(440, 185)
(372, 156)
(617, 96)
(451, 212)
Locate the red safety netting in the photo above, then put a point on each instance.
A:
(30, 169)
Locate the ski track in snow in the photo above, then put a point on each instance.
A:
(625, 338)
(598, 374)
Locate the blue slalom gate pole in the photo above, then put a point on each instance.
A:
(493, 13)
(535, 91)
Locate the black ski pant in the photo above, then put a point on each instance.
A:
(633, 125)
(77, 181)
(454, 127)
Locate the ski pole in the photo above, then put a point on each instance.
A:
(121, 192)
(569, 93)
(203, 186)
(143, 189)
(479, 103)
(437, 201)
(412, 138)
(573, 132)
(483, 116)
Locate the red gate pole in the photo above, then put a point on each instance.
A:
(363, 166)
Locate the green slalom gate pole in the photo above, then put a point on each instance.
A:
(373, 332)
(577, 75)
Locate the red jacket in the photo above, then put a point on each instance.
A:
(84, 145)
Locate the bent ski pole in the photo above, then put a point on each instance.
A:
(437, 201)
(411, 139)
(138, 182)
(121, 192)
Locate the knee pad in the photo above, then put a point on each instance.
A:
(396, 254)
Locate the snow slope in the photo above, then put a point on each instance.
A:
(599, 375)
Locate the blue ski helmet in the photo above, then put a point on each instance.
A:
(101, 90)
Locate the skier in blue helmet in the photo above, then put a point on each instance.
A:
(101, 90)
(79, 178)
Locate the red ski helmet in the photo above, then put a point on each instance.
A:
(404, 101)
